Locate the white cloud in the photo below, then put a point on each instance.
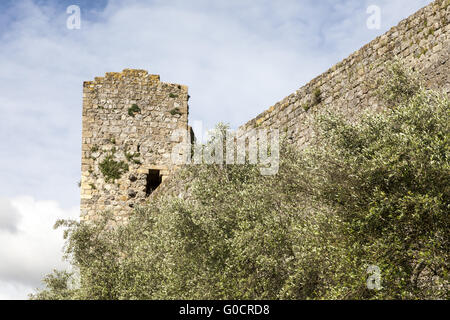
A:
(35, 249)
(9, 216)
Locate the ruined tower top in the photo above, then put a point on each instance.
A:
(128, 120)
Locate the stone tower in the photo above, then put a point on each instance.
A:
(128, 122)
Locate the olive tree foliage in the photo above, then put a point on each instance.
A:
(368, 193)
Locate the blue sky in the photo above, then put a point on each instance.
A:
(238, 58)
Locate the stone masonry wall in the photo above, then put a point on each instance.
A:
(128, 119)
(421, 41)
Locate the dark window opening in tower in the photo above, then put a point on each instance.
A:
(153, 181)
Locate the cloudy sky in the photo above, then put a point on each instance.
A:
(238, 57)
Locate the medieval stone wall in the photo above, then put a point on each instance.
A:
(128, 120)
(128, 117)
(421, 41)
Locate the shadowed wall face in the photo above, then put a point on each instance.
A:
(128, 121)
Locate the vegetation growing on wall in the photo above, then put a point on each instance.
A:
(175, 111)
(317, 97)
(94, 148)
(112, 169)
(131, 157)
(133, 110)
